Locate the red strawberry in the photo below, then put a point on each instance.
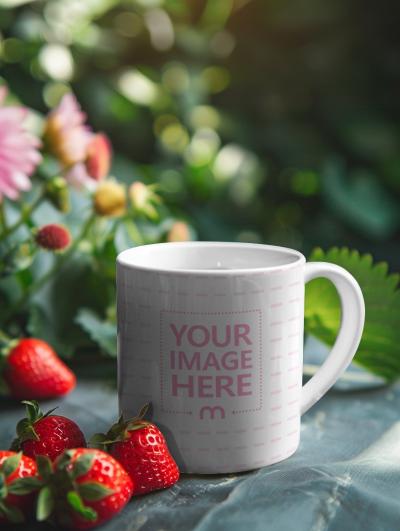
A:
(46, 434)
(83, 489)
(17, 482)
(141, 449)
(32, 370)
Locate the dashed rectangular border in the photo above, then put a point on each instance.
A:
(162, 376)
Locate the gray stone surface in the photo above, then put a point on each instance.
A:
(345, 475)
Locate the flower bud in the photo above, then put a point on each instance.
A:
(98, 158)
(143, 198)
(57, 193)
(53, 237)
(65, 133)
(109, 199)
(179, 232)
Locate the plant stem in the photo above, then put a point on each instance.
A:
(3, 219)
(58, 264)
(4, 337)
(135, 233)
(26, 214)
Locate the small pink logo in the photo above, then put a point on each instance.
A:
(210, 363)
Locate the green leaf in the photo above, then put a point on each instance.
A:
(378, 350)
(41, 325)
(25, 432)
(11, 464)
(102, 332)
(75, 501)
(45, 504)
(94, 491)
(360, 200)
(58, 328)
(99, 441)
(25, 485)
(82, 465)
(33, 412)
(3, 487)
(17, 260)
(45, 466)
(64, 460)
(12, 513)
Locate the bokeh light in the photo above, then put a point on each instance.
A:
(137, 87)
(175, 78)
(216, 78)
(128, 24)
(12, 50)
(229, 161)
(237, 107)
(204, 116)
(160, 28)
(174, 137)
(202, 148)
(57, 62)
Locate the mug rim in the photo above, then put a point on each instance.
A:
(123, 260)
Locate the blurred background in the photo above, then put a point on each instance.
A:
(260, 121)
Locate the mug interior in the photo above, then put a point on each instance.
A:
(212, 257)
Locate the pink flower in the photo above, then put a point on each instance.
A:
(84, 155)
(18, 150)
(66, 133)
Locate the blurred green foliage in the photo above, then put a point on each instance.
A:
(260, 120)
(379, 347)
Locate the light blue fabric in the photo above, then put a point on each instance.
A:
(344, 477)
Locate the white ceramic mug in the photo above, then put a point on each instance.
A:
(212, 335)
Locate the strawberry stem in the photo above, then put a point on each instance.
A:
(4, 338)
(58, 264)
(27, 211)
(26, 426)
(119, 430)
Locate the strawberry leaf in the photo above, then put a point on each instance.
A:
(3, 487)
(135, 425)
(25, 432)
(378, 350)
(45, 504)
(25, 427)
(143, 412)
(49, 412)
(94, 491)
(15, 445)
(45, 466)
(11, 513)
(26, 485)
(76, 503)
(82, 465)
(99, 441)
(11, 464)
(33, 412)
(64, 460)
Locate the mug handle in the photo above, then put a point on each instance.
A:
(351, 327)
